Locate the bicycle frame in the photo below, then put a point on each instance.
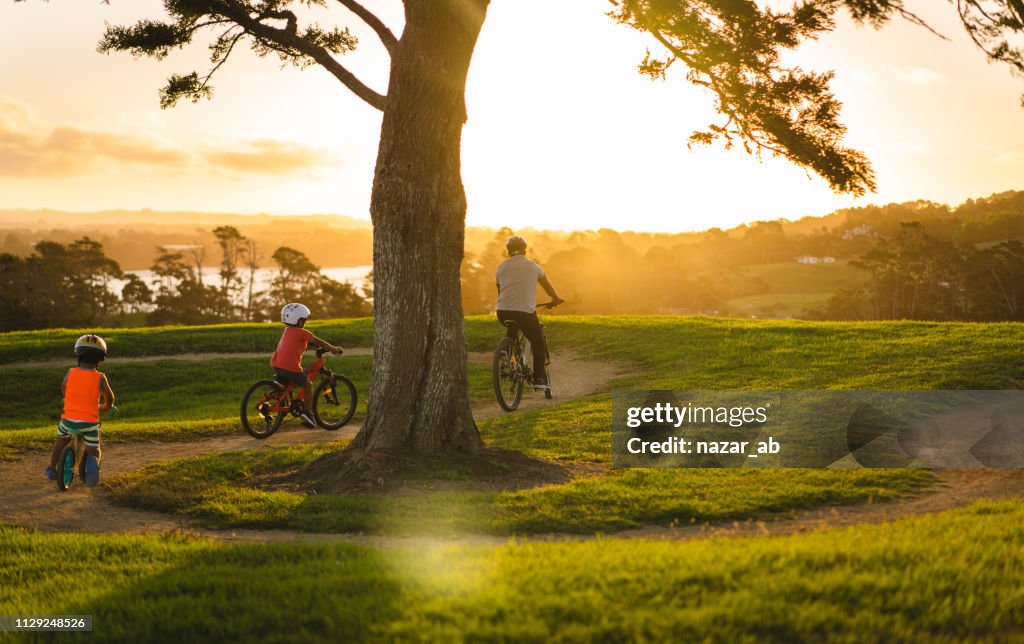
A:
(76, 442)
(522, 358)
(312, 371)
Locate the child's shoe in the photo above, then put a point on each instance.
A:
(51, 474)
(92, 471)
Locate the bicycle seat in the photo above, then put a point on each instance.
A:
(510, 323)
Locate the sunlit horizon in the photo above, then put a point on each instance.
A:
(562, 135)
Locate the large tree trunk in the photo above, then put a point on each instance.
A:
(419, 396)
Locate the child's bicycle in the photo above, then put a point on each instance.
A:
(511, 367)
(267, 401)
(72, 459)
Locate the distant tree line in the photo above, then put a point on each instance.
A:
(920, 260)
(916, 276)
(70, 285)
(961, 263)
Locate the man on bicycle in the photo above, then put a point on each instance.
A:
(517, 279)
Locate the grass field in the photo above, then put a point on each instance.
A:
(952, 576)
(795, 287)
(180, 398)
(664, 352)
(949, 576)
(692, 351)
(218, 491)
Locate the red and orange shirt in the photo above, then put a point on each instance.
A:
(290, 348)
(82, 395)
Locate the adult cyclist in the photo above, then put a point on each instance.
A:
(517, 279)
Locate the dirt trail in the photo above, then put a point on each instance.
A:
(27, 498)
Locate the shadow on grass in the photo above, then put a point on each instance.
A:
(280, 592)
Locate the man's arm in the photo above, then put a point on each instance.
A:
(546, 284)
(108, 393)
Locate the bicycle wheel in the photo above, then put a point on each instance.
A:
(257, 417)
(65, 468)
(547, 374)
(508, 384)
(334, 403)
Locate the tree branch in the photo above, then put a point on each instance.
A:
(292, 41)
(387, 37)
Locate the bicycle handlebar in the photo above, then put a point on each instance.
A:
(548, 305)
(320, 351)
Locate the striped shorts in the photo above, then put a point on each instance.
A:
(89, 431)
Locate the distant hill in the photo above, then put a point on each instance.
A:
(46, 219)
(131, 237)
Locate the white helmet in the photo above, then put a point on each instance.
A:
(91, 347)
(292, 313)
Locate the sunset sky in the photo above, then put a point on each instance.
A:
(562, 133)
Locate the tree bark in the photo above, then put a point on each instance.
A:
(419, 395)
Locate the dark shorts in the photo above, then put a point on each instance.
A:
(297, 378)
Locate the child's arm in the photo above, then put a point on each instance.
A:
(324, 344)
(107, 393)
(64, 384)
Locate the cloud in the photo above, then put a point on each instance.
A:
(267, 156)
(918, 75)
(31, 149)
(1010, 157)
(28, 150)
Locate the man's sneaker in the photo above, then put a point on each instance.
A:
(307, 420)
(51, 473)
(541, 385)
(92, 470)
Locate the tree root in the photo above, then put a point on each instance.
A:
(358, 471)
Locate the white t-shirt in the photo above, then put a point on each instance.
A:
(517, 284)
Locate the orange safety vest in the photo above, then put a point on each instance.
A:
(82, 395)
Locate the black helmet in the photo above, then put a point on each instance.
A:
(515, 245)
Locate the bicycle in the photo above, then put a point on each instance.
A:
(511, 366)
(267, 401)
(72, 458)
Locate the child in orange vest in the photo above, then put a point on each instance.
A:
(83, 387)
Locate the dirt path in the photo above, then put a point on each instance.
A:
(27, 498)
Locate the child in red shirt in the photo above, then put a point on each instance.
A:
(287, 358)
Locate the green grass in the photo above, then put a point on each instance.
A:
(776, 304)
(578, 430)
(163, 395)
(672, 352)
(217, 490)
(29, 346)
(793, 277)
(795, 288)
(41, 438)
(667, 350)
(951, 576)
